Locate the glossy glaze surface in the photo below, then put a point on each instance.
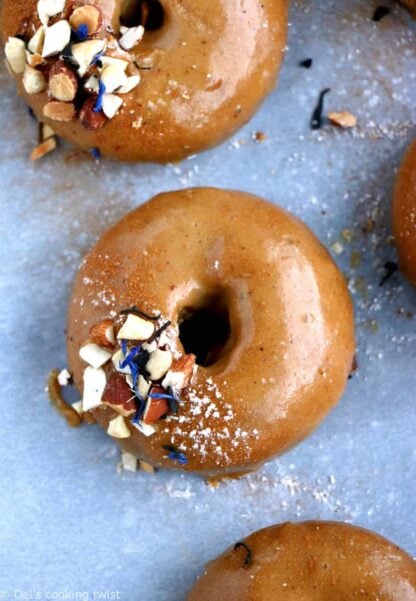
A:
(311, 561)
(404, 214)
(216, 62)
(292, 336)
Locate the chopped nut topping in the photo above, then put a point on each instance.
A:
(94, 385)
(59, 111)
(131, 36)
(34, 81)
(103, 334)
(88, 15)
(16, 55)
(35, 44)
(63, 84)
(85, 52)
(56, 38)
(158, 364)
(90, 118)
(44, 148)
(49, 8)
(343, 119)
(94, 355)
(117, 428)
(111, 105)
(136, 328)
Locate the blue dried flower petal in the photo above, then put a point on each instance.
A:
(101, 91)
(175, 455)
(159, 395)
(97, 57)
(96, 154)
(80, 34)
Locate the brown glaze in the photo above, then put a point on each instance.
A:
(311, 561)
(292, 334)
(410, 5)
(218, 60)
(404, 214)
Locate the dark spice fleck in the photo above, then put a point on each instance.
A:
(354, 367)
(380, 13)
(391, 267)
(316, 119)
(306, 64)
(248, 559)
(136, 311)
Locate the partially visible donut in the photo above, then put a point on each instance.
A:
(196, 74)
(310, 561)
(404, 214)
(250, 292)
(410, 5)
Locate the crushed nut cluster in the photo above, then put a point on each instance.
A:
(84, 68)
(133, 372)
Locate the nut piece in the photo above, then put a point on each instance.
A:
(129, 85)
(89, 118)
(16, 54)
(49, 8)
(119, 396)
(180, 373)
(94, 385)
(36, 42)
(112, 76)
(343, 119)
(136, 328)
(59, 111)
(130, 36)
(117, 428)
(34, 60)
(94, 355)
(88, 15)
(111, 105)
(146, 429)
(63, 84)
(43, 149)
(64, 377)
(155, 408)
(84, 54)
(56, 38)
(128, 462)
(146, 467)
(103, 334)
(118, 358)
(158, 364)
(34, 81)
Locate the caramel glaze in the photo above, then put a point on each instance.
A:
(291, 346)
(311, 561)
(222, 57)
(404, 214)
(410, 5)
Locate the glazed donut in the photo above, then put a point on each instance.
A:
(404, 214)
(185, 81)
(310, 561)
(410, 5)
(252, 340)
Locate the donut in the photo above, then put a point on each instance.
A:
(404, 214)
(143, 80)
(320, 561)
(209, 344)
(410, 5)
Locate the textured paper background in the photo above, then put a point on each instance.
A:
(68, 521)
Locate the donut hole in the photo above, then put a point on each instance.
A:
(204, 330)
(148, 13)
